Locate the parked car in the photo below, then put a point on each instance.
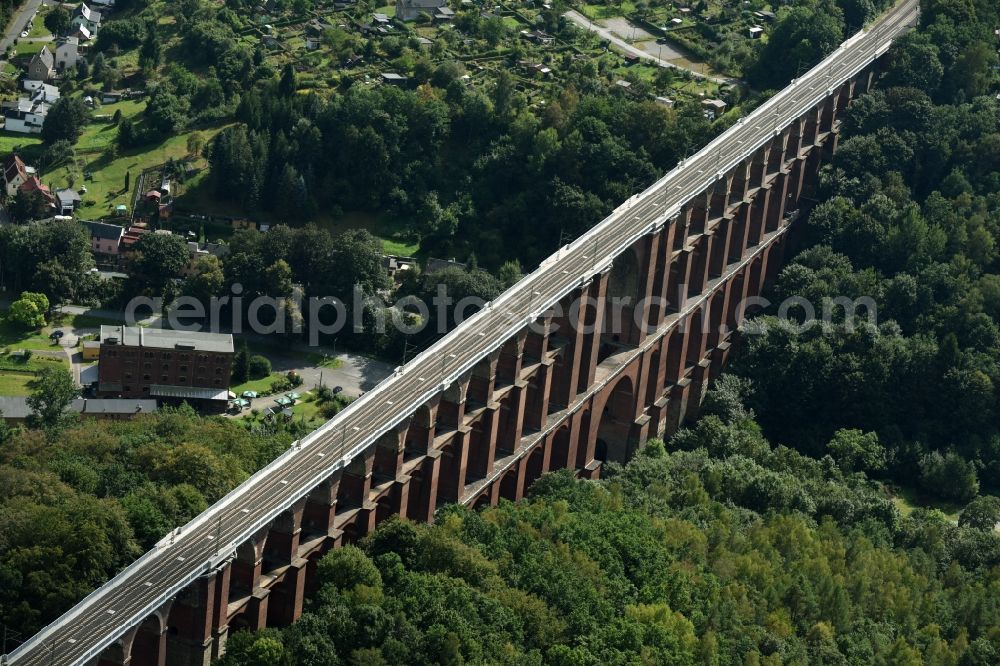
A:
(337, 389)
(56, 335)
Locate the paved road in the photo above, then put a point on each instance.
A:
(585, 23)
(17, 25)
(204, 543)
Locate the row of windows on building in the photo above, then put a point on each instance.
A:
(180, 380)
(202, 358)
(166, 366)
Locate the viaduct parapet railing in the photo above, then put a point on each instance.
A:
(547, 376)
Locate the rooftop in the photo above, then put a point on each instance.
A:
(188, 392)
(162, 338)
(16, 407)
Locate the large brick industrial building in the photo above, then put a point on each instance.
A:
(170, 366)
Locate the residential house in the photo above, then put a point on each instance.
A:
(755, 32)
(33, 185)
(409, 10)
(67, 52)
(41, 67)
(444, 14)
(67, 201)
(85, 17)
(81, 33)
(15, 173)
(105, 238)
(27, 114)
(395, 79)
(47, 89)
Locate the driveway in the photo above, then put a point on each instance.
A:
(610, 35)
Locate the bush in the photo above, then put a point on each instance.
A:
(280, 385)
(260, 367)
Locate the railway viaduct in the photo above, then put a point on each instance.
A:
(613, 339)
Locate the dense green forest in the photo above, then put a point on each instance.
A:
(80, 501)
(910, 217)
(726, 550)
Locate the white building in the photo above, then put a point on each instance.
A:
(27, 114)
(85, 17)
(67, 52)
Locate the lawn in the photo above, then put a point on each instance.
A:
(15, 141)
(15, 383)
(907, 499)
(15, 336)
(259, 385)
(26, 48)
(307, 409)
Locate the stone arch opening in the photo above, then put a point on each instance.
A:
(245, 569)
(450, 469)
(419, 433)
(696, 332)
(417, 502)
(508, 484)
(507, 368)
(615, 422)
(150, 643)
(618, 330)
(352, 534)
(534, 467)
(559, 458)
(481, 502)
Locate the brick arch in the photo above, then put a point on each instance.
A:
(509, 484)
(149, 645)
(535, 464)
(246, 567)
(611, 424)
(622, 294)
(561, 447)
(420, 431)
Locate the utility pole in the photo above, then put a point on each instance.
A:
(407, 348)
